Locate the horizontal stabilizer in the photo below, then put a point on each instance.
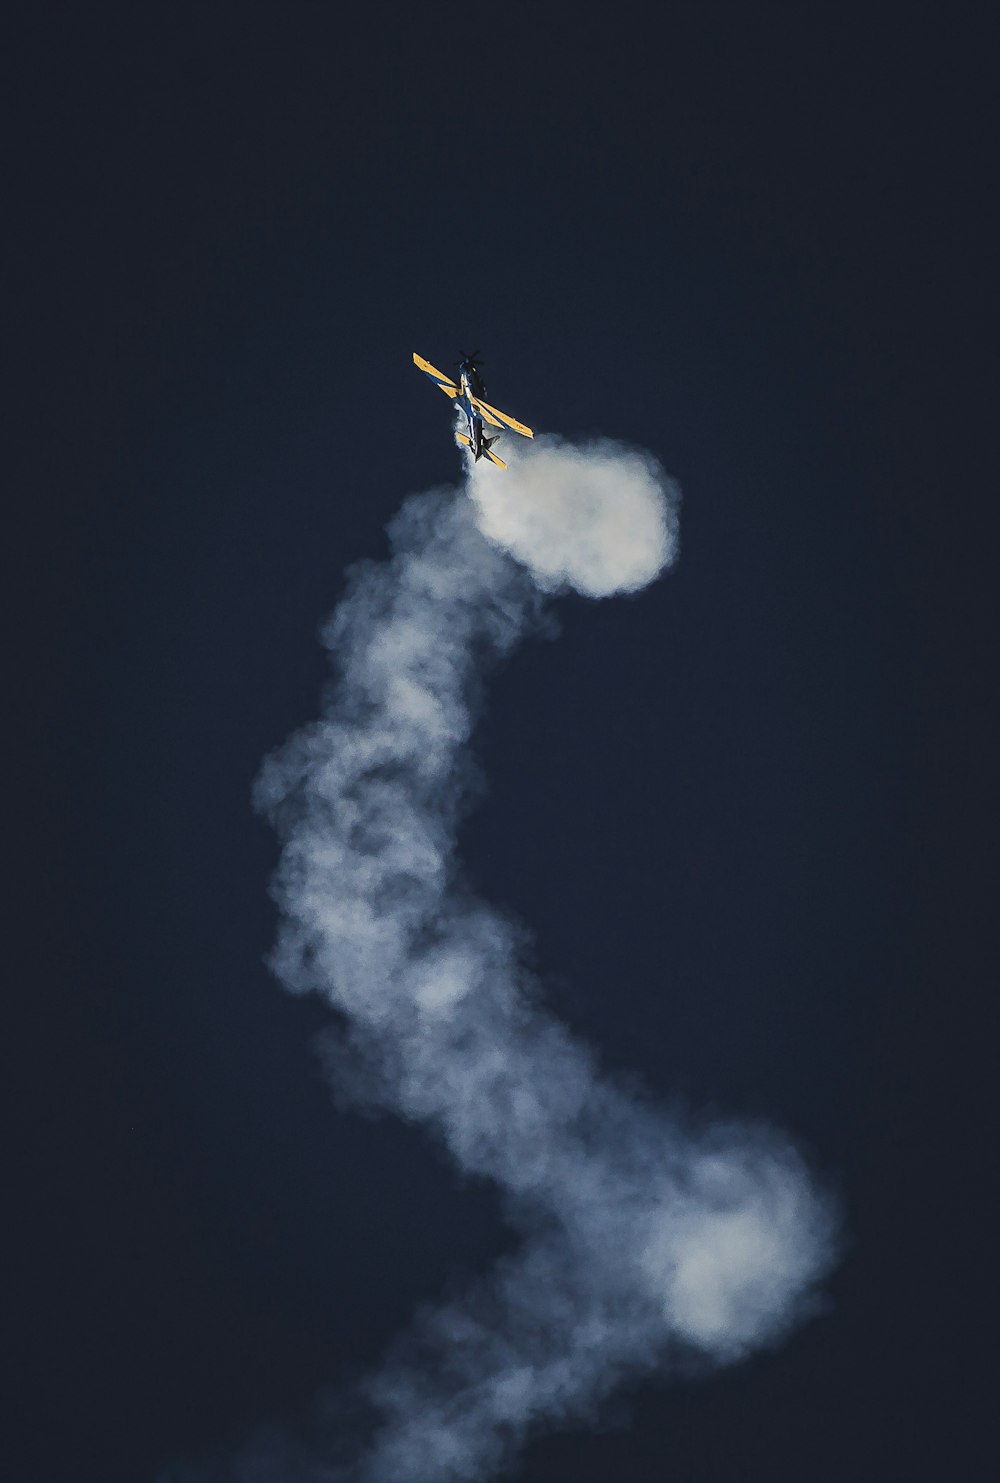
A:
(493, 458)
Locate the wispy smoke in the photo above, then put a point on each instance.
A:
(644, 1241)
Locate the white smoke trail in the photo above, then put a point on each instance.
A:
(642, 1239)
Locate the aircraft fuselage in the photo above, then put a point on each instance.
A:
(471, 385)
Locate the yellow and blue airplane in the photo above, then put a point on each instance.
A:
(467, 395)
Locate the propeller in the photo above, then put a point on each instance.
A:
(466, 358)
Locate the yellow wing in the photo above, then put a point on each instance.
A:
(491, 414)
(446, 384)
(487, 415)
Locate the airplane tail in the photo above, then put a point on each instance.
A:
(487, 442)
(487, 445)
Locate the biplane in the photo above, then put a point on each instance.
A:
(468, 395)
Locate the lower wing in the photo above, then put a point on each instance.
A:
(446, 384)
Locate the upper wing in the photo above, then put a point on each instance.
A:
(486, 413)
(446, 384)
(511, 422)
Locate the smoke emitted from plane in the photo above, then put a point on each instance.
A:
(598, 518)
(646, 1242)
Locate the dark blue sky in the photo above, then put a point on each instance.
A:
(739, 813)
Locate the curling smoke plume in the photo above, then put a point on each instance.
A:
(644, 1241)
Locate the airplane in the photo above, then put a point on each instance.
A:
(467, 395)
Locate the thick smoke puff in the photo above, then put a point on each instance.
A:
(599, 519)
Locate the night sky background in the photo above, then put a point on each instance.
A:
(739, 813)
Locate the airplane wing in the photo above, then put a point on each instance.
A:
(490, 414)
(446, 384)
(487, 414)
